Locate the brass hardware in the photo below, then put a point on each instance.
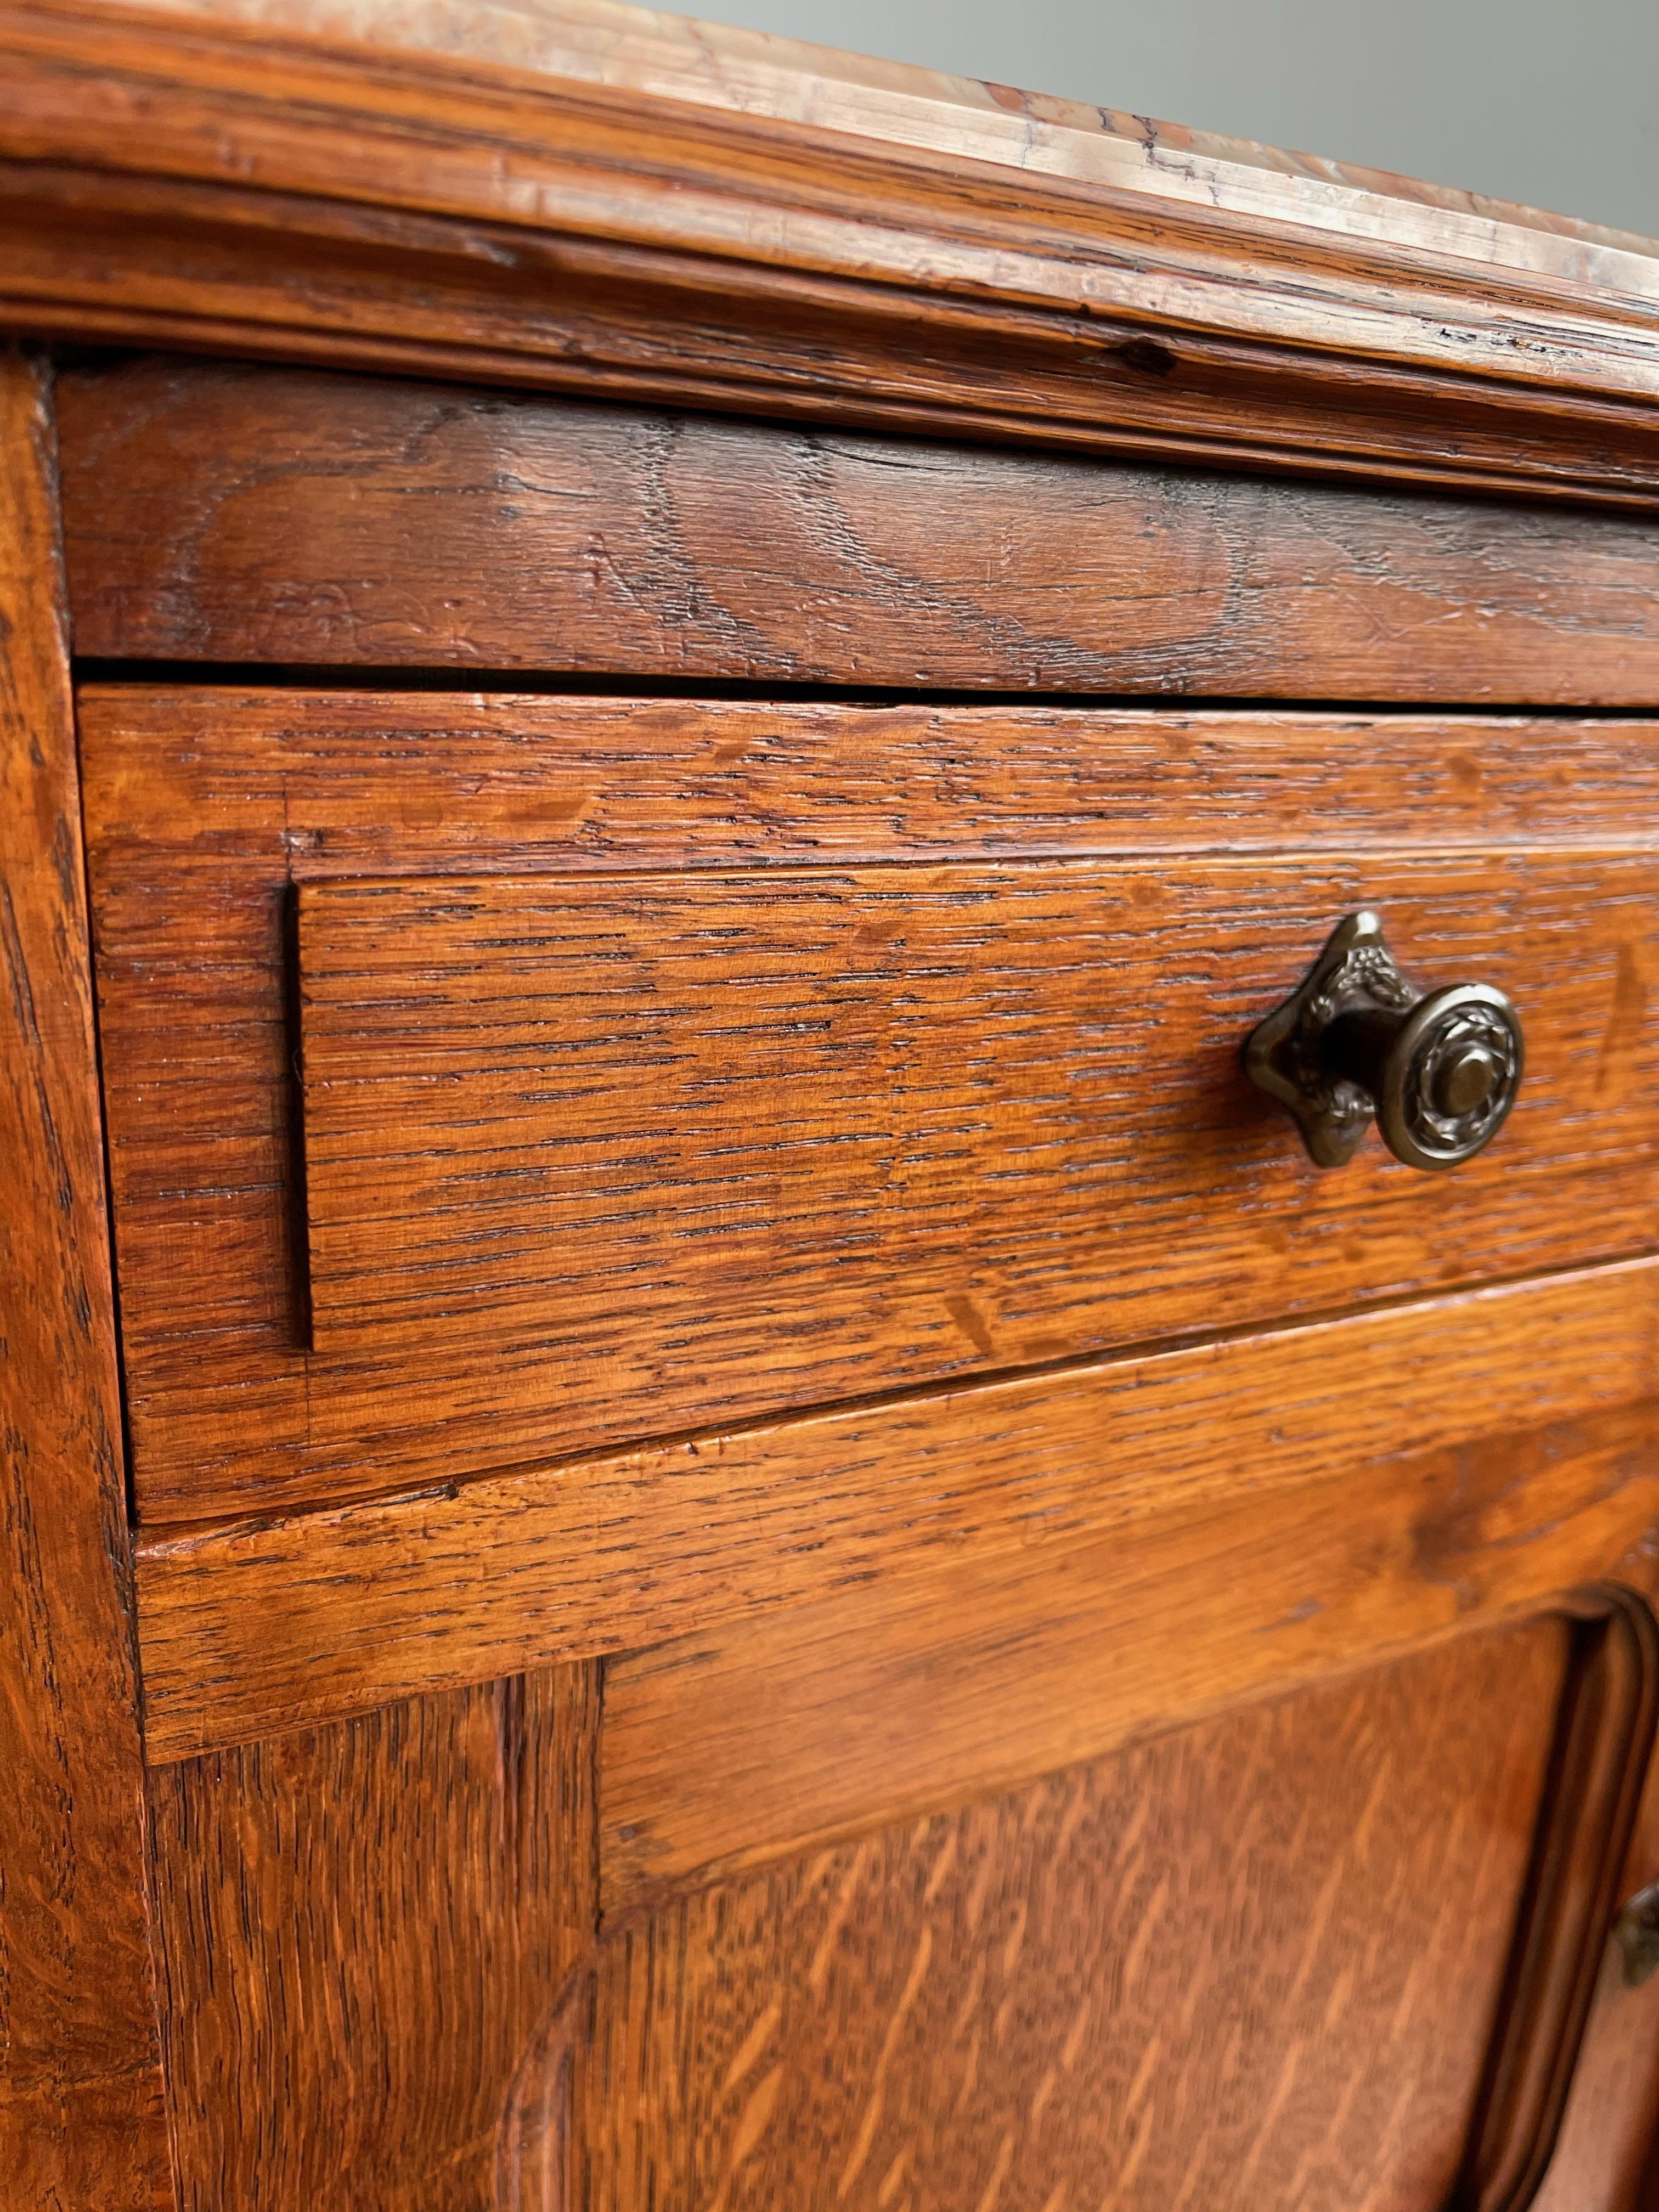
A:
(1439, 1070)
(1636, 1929)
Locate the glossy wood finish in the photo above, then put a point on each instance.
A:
(369, 1932)
(1540, 1396)
(203, 805)
(557, 1819)
(720, 1143)
(206, 519)
(1256, 1963)
(81, 2116)
(171, 180)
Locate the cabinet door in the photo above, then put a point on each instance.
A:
(1259, 1961)
(1328, 1949)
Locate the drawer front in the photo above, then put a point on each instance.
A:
(636, 1154)
(593, 1154)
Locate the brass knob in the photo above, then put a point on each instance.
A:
(1439, 1070)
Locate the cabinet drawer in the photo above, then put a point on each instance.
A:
(617, 1154)
(594, 1150)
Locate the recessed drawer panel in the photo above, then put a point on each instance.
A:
(494, 1082)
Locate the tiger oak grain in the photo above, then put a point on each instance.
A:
(1168, 1977)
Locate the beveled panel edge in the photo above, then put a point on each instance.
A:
(251, 1629)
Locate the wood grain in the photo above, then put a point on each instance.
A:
(202, 805)
(778, 1732)
(248, 1630)
(1255, 1963)
(721, 65)
(224, 187)
(591, 1156)
(220, 512)
(369, 1934)
(80, 2114)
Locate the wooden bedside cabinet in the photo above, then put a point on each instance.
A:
(831, 1116)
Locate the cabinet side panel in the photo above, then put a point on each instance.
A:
(82, 2120)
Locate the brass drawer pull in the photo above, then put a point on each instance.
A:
(1439, 1070)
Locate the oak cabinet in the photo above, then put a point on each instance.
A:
(706, 1511)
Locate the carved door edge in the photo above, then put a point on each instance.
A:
(1598, 1762)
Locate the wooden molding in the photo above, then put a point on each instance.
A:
(230, 186)
(719, 65)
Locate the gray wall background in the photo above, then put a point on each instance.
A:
(1551, 102)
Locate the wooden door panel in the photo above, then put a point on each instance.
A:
(1257, 1963)
(1266, 1959)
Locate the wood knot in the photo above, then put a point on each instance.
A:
(1147, 355)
